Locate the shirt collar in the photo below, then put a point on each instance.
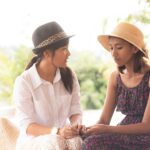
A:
(36, 79)
(57, 76)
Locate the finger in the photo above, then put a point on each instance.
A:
(76, 127)
(75, 132)
(80, 127)
(89, 131)
(72, 132)
(83, 130)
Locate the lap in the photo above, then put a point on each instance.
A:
(116, 141)
(51, 142)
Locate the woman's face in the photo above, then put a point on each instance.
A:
(60, 57)
(121, 51)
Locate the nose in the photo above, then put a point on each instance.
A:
(113, 52)
(68, 53)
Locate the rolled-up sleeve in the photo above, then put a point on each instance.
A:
(22, 97)
(75, 102)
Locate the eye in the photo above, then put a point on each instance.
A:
(119, 47)
(65, 49)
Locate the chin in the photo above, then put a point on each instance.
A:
(66, 65)
(119, 64)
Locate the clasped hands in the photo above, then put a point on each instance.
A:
(70, 131)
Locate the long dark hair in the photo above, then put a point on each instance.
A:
(66, 73)
(139, 63)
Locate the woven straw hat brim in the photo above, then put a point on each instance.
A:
(127, 32)
(104, 40)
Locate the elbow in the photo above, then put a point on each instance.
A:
(146, 127)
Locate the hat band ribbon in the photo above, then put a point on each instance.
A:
(52, 39)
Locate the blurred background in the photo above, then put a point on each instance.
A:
(86, 19)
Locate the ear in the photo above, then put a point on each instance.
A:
(46, 53)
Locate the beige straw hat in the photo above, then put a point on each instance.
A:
(127, 32)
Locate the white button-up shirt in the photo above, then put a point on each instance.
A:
(39, 101)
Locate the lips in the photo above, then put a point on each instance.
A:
(116, 59)
(66, 61)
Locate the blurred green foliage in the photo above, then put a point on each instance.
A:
(142, 15)
(89, 69)
(91, 75)
(11, 66)
(92, 72)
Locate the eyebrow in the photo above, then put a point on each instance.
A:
(117, 44)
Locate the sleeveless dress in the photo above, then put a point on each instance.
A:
(131, 102)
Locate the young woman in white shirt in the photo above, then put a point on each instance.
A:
(47, 94)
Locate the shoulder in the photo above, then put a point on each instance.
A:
(146, 71)
(113, 77)
(24, 77)
(21, 85)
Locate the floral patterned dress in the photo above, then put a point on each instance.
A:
(131, 102)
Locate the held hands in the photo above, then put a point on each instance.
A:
(70, 131)
(93, 130)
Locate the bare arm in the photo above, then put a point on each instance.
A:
(110, 100)
(138, 128)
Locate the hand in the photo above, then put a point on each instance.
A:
(76, 128)
(69, 131)
(82, 130)
(95, 129)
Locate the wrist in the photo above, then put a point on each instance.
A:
(108, 129)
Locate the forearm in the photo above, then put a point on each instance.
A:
(102, 121)
(139, 128)
(36, 129)
(76, 119)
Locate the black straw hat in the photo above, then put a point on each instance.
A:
(48, 34)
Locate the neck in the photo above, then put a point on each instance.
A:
(129, 69)
(46, 71)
